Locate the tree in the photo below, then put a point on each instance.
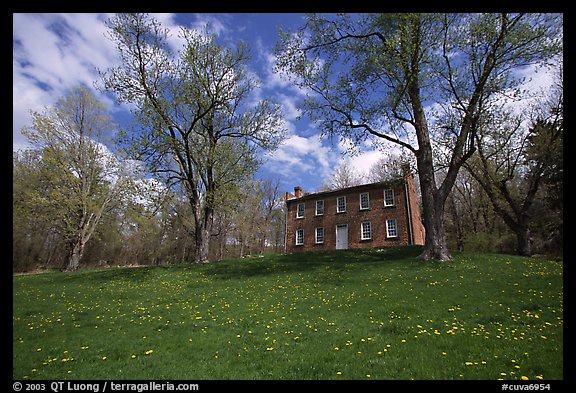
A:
(409, 79)
(36, 238)
(512, 164)
(387, 168)
(344, 176)
(196, 126)
(81, 180)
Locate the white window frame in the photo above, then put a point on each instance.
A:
(385, 199)
(338, 204)
(316, 211)
(298, 210)
(299, 239)
(316, 235)
(367, 207)
(388, 222)
(362, 235)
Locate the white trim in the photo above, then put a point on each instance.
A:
(368, 200)
(338, 206)
(362, 230)
(393, 197)
(316, 235)
(298, 210)
(316, 208)
(302, 243)
(395, 227)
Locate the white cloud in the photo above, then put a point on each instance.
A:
(51, 53)
(215, 24)
(289, 108)
(303, 158)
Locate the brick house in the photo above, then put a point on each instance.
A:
(369, 215)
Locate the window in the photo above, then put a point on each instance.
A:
(391, 228)
(300, 211)
(366, 230)
(319, 235)
(319, 208)
(341, 204)
(388, 197)
(299, 237)
(364, 201)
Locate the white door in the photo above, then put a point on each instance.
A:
(341, 237)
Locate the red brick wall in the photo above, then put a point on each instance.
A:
(354, 216)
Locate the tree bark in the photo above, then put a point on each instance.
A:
(76, 254)
(203, 229)
(202, 245)
(435, 246)
(523, 237)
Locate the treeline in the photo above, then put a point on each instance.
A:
(508, 197)
(178, 184)
(147, 225)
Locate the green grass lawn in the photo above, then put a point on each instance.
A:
(356, 314)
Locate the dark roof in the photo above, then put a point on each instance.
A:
(361, 187)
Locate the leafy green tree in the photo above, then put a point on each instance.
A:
(196, 126)
(513, 164)
(80, 179)
(413, 80)
(37, 240)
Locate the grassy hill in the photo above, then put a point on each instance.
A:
(356, 314)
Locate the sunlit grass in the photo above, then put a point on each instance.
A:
(372, 314)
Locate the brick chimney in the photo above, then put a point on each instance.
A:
(297, 191)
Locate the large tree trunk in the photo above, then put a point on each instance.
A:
(88, 224)
(523, 237)
(76, 253)
(435, 246)
(202, 245)
(203, 231)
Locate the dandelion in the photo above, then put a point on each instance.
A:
(338, 372)
(269, 348)
(104, 358)
(149, 352)
(524, 378)
(468, 363)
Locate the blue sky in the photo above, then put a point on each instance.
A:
(53, 52)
